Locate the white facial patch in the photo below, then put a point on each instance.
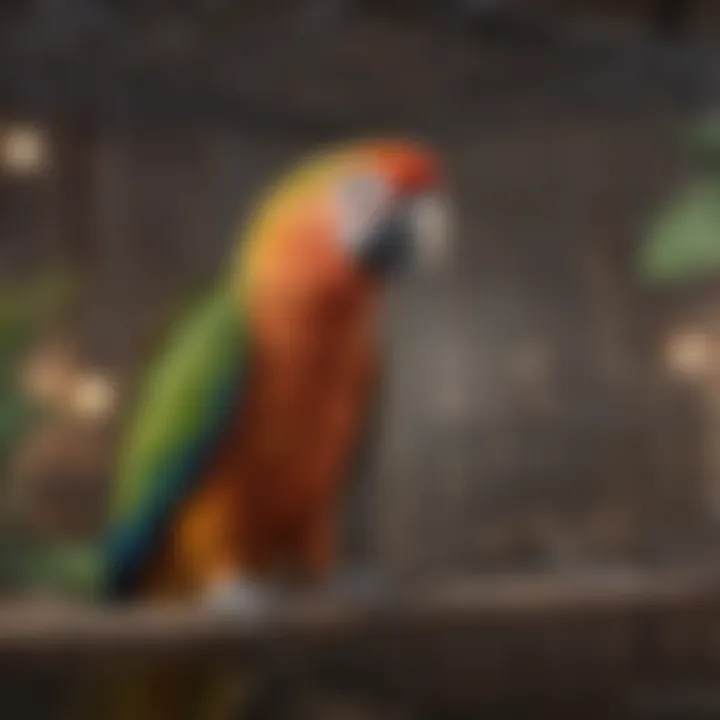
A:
(363, 201)
(431, 218)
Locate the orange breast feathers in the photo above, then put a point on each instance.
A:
(270, 499)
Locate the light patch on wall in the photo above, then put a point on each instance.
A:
(93, 396)
(55, 378)
(49, 372)
(23, 150)
(688, 353)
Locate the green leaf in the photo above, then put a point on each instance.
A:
(683, 245)
(25, 305)
(68, 569)
(704, 143)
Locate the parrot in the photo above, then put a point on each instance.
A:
(233, 467)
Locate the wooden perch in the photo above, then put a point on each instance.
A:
(602, 640)
(42, 630)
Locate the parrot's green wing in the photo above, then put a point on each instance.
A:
(184, 410)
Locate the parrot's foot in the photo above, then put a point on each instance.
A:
(250, 601)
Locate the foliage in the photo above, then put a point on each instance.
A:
(683, 244)
(72, 570)
(27, 564)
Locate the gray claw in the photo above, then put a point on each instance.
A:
(250, 601)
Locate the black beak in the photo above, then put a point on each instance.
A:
(388, 249)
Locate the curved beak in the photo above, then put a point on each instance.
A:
(432, 230)
(418, 233)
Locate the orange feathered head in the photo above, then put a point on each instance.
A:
(377, 204)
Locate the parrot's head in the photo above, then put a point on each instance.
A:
(374, 207)
(391, 207)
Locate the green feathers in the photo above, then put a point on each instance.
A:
(184, 407)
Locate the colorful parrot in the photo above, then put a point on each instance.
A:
(234, 465)
(249, 424)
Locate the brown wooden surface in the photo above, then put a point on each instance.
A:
(621, 637)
